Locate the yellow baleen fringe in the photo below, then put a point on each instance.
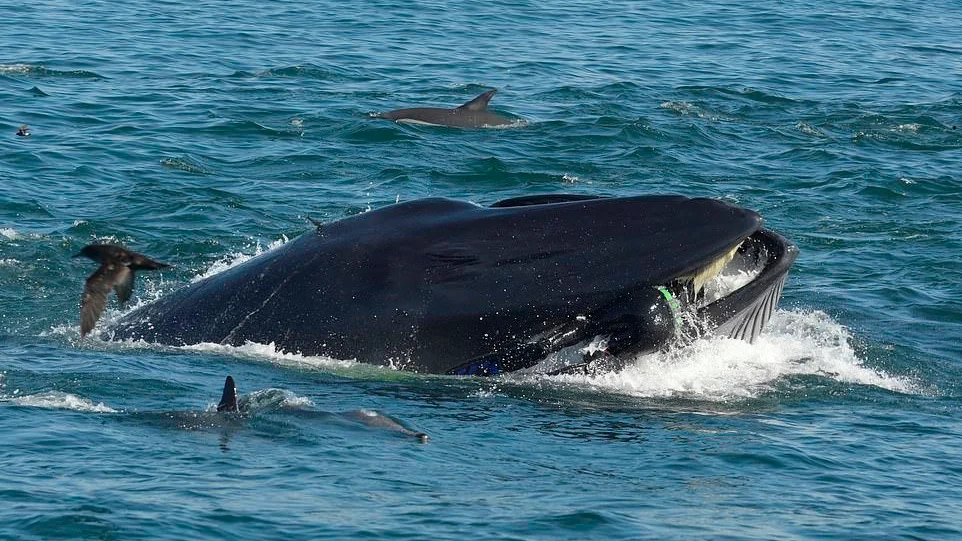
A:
(704, 275)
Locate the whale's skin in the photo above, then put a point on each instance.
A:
(428, 285)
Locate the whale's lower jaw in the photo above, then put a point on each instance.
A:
(764, 259)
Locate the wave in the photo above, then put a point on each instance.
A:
(269, 400)
(187, 164)
(750, 94)
(722, 369)
(685, 108)
(59, 400)
(309, 71)
(41, 71)
(244, 128)
(15, 237)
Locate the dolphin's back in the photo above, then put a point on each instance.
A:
(472, 114)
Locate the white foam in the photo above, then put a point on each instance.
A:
(61, 400)
(184, 164)
(16, 68)
(912, 127)
(688, 109)
(720, 369)
(275, 399)
(9, 233)
(516, 123)
(808, 129)
(269, 400)
(677, 106)
(150, 287)
(232, 260)
(270, 353)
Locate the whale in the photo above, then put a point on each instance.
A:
(445, 286)
(472, 114)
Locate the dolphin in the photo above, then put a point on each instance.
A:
(450, 287)
(230, 403)
(116, 272)
(228, 399)
(473, 114)
(270, 407)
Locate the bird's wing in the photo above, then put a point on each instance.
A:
(123, 283)
(97, 288)
(142, 262)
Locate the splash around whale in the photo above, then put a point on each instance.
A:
(450, 287)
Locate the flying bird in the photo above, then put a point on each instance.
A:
(116, 271)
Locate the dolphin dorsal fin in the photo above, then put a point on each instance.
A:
(479, 103)
(228, 401)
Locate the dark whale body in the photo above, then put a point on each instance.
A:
(473, 114)
(444, 286)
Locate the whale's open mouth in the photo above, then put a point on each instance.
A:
(734, 295)
(738, 292)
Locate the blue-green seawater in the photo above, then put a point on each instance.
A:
(204, 132)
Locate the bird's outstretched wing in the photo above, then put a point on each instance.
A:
(97, 288)
(124, 284)
(142, 262)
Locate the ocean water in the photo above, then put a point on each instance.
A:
(202, 133)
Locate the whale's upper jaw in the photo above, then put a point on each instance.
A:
(658, 239)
